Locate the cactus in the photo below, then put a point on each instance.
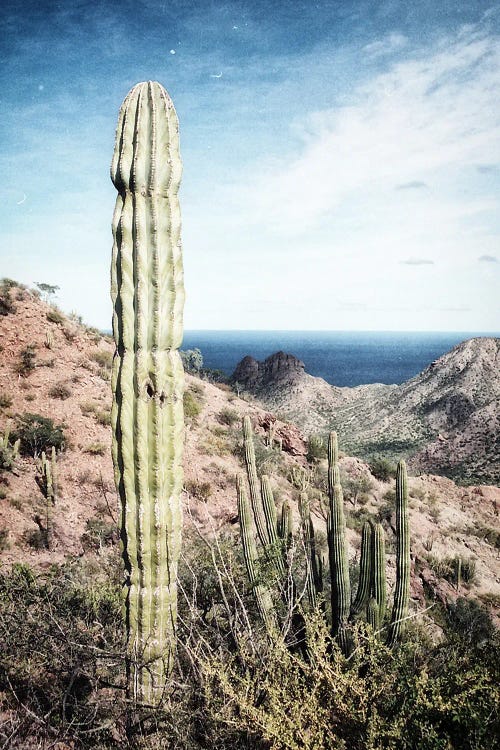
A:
(379, 586)
(47, 481)
(49, 339)
(250, 554)
(253, 482)
(148, 380)
(402, 590)
(365, 570)
(8, 452)
(371, 595)
(337, 546)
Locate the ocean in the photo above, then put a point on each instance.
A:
(342, 358)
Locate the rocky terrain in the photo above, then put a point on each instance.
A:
(55, 367)
(445, 419)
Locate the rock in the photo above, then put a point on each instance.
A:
(292, 440)
(279, 368)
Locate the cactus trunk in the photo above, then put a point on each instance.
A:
(147, 415)
(402, 590)
(365, 571)
(337, 546)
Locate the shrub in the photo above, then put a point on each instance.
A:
(54, 315)
(99, 534)
(103, 357)
(61, 391)
(103, 418)
(382, 469)
(37, 434)
(96, 449)
(27, 362)
(5, 401)
(6, 304)
(192, 407)
(192, 360)
(228, 416)
(200, 490)
(4, 540)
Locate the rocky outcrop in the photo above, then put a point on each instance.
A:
(278, 369)
(445, 420)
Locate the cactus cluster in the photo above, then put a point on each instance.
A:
(148, 380)
(8, 452)
(371, 595)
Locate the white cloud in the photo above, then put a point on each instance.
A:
(437, 111)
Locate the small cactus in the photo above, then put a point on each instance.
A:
(402, 590)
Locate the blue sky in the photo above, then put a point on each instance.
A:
(341, 159)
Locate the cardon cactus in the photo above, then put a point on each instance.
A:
(402, 590)
(148, 380)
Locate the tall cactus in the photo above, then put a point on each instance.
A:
(402, 590)
(148, 380)
(337, 545)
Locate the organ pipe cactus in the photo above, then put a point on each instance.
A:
(371, 593)
(402, 590)
(337, 545)
(148, 380)
(365, 570)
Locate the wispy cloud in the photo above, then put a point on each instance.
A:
(436, 111)
(488, 259)
(388, 44)
(413, 185)
(417, 262)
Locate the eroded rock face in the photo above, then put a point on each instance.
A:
(291, 439)
(278, 368)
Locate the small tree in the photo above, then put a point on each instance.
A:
(47, 290)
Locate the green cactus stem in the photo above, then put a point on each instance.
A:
(379, 585)
(148, 381)
(309, 547)
(402, 589)
(253, 482)
(365, 571)
(274, 548)
(337, 547)
(373, 614)
(251, 557)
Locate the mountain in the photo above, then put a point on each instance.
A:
(445, 419)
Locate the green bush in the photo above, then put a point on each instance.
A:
(382, 469)
(228, 416)
(37, 434)
(192, 407)
(5, 401)
(54, 315)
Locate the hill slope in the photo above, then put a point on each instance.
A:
(69, 383)
(446, 418)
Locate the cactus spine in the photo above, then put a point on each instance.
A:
(147, 415)
(402, 590)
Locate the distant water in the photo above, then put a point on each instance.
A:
(342, 358)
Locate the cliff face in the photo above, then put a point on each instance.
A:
(446, 419)
(278, 369)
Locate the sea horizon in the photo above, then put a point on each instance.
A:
(342, 358)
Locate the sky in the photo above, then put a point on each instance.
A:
(341, 159)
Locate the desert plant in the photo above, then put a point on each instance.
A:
(5, 400)
(37, 434)
(192, 406)
(148, 380)
(27, 361)
(382, 469)
(60, 391)
(371, 594)
(8, 451)
(316, 449)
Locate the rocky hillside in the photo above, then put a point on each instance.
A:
(446, 418)
(55, 368)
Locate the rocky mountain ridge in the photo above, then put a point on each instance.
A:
(445, 419)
